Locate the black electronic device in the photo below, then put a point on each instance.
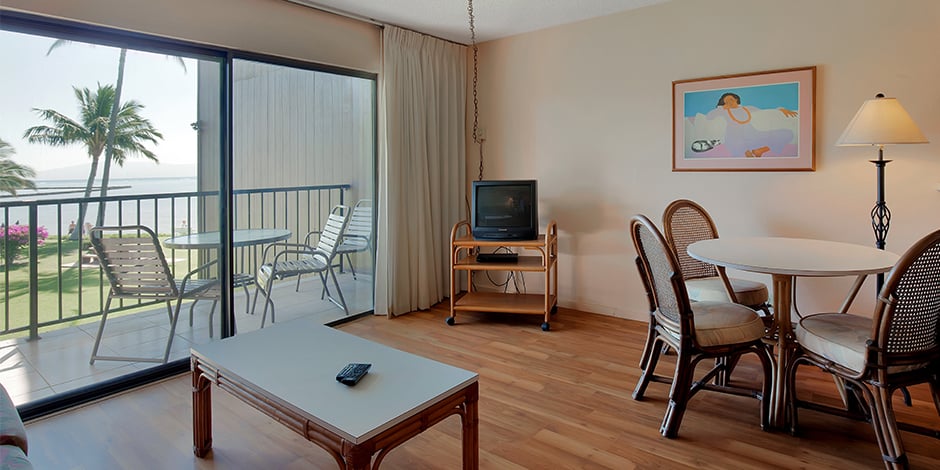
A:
(352, 373)
(498, 258)
(504, 210)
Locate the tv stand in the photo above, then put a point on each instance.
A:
(463, 257)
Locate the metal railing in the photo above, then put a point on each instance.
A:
(68, 270)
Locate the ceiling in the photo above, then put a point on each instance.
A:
(493, 19)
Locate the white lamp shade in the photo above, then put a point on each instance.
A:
(882, 121)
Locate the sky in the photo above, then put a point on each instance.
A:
(33, 79)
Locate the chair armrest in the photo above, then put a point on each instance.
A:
(12, 430)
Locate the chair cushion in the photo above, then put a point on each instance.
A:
(724, 323)
(711, 289)
(838, 337)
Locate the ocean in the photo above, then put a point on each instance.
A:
(157, 213)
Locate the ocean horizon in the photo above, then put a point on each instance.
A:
(158, 214)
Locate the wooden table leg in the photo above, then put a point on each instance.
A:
(202, 412)
(471, 430)
(782, 302)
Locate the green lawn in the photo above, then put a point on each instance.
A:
(65, 290)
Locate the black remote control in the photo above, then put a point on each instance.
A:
(351, 374)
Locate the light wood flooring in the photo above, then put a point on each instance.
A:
(548, 400)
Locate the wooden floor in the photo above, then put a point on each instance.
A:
(548, 400)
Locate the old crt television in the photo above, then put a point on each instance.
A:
(504, 210)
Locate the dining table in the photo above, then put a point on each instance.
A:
(785, 259)
(240, 238)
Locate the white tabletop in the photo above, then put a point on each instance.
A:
(297, 361)
(793, 256)
(241, 237)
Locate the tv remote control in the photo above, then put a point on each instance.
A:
(352, 373)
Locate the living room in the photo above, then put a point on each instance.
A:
(586, 109)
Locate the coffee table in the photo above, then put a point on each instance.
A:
(288, 370)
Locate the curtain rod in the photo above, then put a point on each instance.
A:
(353, 16)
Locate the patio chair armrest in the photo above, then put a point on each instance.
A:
(310, 234)
(201, 269)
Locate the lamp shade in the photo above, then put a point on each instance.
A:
(881, 121)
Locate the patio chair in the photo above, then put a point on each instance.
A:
(358, 234)
(297, 259)
(136, 268)
(899, 346)
(696, 331)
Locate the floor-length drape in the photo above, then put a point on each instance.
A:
(422, 174)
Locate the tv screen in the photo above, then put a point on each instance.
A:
(505, 210)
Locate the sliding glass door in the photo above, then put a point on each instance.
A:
(303, 147)
(224, 156)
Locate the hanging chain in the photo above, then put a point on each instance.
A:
(476, 103)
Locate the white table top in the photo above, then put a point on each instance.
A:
(241, 237)
(793, 256)
(297, 361)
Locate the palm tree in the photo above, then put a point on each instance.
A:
(131, 132)
(13, 176)
(109, 155)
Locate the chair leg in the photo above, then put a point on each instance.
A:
(169, 340)
(889, 437)
(104, 318)
(678, 395)
(267, 301)
(650, 341)
(648, 370)
(342, 300)
(935, 391)
(791, 400)
(352, 268)
(767, 362)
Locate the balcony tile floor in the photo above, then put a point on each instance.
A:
(58, 361)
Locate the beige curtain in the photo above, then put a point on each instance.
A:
(422, 175)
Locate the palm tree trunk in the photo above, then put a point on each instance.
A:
(83, 207)
(109, 146)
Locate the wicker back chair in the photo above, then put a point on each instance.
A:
(133, 261)
(898, 347)
(686, 222)
(695, 331)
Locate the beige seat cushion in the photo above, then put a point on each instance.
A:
(711, 289)
(724, 323)
(839, 337)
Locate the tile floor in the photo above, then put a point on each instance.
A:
(58, 361)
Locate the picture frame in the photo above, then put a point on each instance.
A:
(762, 121)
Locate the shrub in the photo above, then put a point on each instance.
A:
(14, 238)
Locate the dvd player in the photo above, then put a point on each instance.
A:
(497, 257)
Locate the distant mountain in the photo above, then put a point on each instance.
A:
(129, 170)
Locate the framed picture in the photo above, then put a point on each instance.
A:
(764, 121)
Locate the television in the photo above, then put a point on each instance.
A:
(504, 210)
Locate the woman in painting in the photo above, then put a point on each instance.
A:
(741, 137)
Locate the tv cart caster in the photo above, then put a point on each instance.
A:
(545, 326)
(450, 321)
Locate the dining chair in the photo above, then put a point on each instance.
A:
(696, 331)
(899, 346)
(132, 259)
(296, 259)
(358, 234)
(686, 222)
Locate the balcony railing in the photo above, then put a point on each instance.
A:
(63, 284)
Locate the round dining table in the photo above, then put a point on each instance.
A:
(785, 259)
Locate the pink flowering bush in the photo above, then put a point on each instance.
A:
(15, 237)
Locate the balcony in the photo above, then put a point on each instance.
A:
(54, 292)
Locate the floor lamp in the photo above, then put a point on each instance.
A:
(881, 121)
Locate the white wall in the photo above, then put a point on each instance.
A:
(274, 27)
(586, 109)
